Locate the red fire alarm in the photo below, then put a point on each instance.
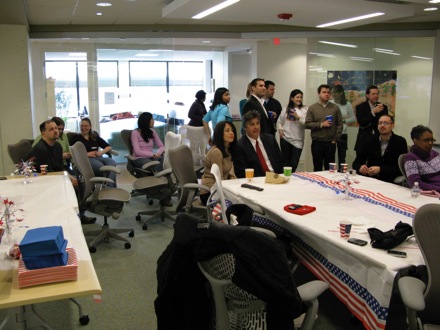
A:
(285, 16)
(276, 41)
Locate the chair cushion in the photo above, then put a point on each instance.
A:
(114, 194)
(149, 182)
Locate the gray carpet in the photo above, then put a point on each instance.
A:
(128, 280)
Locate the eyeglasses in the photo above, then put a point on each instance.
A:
(428, 140)
(384, 123)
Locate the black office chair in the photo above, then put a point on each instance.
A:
(99, 199)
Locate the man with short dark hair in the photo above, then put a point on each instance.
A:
(368, 114)
(272, 105)
(378, 156)
(256, 102)
(259, 151)
(324, 119)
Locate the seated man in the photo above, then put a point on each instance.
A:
(48, 151)
(422, 164)
(259, 151)
(378, 157)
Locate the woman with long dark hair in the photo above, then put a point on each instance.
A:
(291, 127)
(96, 148)
(219, 110)
(144, 140)
(348, 117)
(221, 153)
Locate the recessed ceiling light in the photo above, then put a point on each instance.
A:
(362, 59)
(98, 14)
(338, 44)
(104, 4)
(322, 54)
(206, 41)
(348, 20)
(434, 1)
(430, 9)
(382, 50)
(214, 9)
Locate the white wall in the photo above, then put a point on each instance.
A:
(15, 93)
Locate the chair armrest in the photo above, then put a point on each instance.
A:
(113, 153)
(195, 186)
(151, 165)
(268, 232)
(99, 179)
(130, 157)
(311, 290)
(107, 168)
(412, 289)
(164, 172)
(399, 180)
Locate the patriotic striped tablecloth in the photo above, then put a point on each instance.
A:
(361, 277)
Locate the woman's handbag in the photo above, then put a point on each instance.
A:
(391, 238)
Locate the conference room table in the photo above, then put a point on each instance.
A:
(360, 276)
(49, 200)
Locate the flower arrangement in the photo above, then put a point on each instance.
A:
(8, 216)
(26, 168)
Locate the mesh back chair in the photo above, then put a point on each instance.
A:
(422, 301)
(197, 140)
(147, 169)
(97, 198)
(237, 309)
(19, 151)
(172, 140)
(401, 162)
(181, 163)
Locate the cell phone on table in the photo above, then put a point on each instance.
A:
(357, 241)
(294, 207)
(398, 254)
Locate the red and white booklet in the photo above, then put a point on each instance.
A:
(33, 277)
(430, 193)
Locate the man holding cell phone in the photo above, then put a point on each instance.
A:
(324, 119)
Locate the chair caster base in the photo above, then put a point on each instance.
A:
(144, 226)
(92, 249)
(138, 218)
(131, 234)
(84, 320)
(127, 246)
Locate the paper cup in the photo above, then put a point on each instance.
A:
(287, 171)
(43, 169)
(249, 174)
(344, 168)
(329, 118)
(332, 167)
(345, 228)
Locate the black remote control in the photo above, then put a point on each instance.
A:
(246, 185)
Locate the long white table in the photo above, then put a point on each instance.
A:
(49, 200)
(361, 277)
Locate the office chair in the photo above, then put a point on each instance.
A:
(99, 199)
(172, 140)
(421, 300)
(19, 151)
(147, 169)
(235, 308)
(180, 159)
(197, 140)
(401, 162)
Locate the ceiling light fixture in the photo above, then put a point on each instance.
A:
(434, 1)
(214, 9)
(98, 14)
(421, 57)
(338, 44)
(362, 59)
(322, 54)
(348, 20)
(430, 9)
(382, 50)
(104, 4)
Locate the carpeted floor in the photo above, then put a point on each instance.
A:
(128, 280)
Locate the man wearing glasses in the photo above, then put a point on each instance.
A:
(378, 156)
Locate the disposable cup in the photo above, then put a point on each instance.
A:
(43, 169)
(287, 171)
(332, 167)
(345, 228)
(344, 168)
(249, 174)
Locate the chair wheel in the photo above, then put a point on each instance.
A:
(131, 234)
(84, 320)
(144, 226)
(138, 218)
(92, 249)
(127, 245)
(150, 202)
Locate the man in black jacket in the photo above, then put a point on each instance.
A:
(256, 102)
(378, 156)
(257, 150)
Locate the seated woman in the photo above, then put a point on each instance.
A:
(422, 164)
(93, 142)
(144, 140)
(221, 153)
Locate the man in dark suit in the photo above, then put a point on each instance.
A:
(272, 105)
(368, 114)
(259, 151)
(256, 102)
(378, 156)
